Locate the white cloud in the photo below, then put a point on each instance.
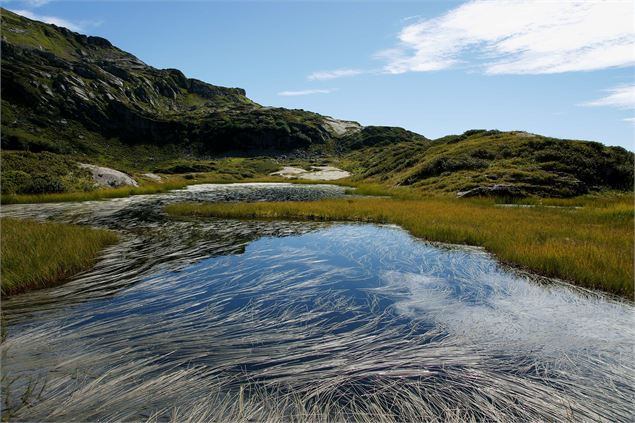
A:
(37, 3)
(304, 92)
(49, 19)
(519, 37)
(622, 97)
(332, 74)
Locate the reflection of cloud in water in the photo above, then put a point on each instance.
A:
(508, 312)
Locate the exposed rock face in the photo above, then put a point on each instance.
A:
(153, 176)
(109, 178)
(342, 127)
(317, 173)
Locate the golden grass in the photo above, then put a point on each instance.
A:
(590, 246)
(38, 255)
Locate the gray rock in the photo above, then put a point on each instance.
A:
(107, 177)
(153, 176)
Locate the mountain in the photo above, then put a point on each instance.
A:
(66, 92)
(69, 98)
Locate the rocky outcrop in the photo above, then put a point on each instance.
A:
(153, 176)
(317, 173)
(341, 127)
(109, 178)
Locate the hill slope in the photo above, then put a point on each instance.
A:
(514, 164)
(69, 93)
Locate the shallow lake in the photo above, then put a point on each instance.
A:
(255, 320)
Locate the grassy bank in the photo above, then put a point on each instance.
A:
(98, 194)
(38, 255)
(590, 246)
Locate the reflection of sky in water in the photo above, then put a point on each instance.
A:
(319, 308)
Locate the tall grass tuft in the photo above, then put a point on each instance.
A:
(38, 255)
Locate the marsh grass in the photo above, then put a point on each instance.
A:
(38, 255)
(591, 246)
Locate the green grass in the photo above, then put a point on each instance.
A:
(590, 246)
(38, 255)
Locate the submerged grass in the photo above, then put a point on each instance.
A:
(38, 255)
(590, 246)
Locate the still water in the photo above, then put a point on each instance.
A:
(257, 320)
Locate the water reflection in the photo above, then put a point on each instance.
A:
(219, 319)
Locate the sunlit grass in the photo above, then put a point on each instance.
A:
(591, 246)
(37, 255)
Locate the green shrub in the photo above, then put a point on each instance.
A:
(44, 184)
(26, 172)
(14, 181)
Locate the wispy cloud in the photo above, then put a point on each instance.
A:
(28, 3)
(50, 20)
(519, 37)
(305, 92)
(37, 3)
(333, 74)
(622, 97)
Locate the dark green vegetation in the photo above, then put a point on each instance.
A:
(591, 246)
(32, 173)
(38, 255)
(69, 98)
(518, 163)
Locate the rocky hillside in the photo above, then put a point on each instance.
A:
(70, 93)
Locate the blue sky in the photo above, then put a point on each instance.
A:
(562, 69)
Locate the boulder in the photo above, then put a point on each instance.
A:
(153, 176)
(107, 177)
